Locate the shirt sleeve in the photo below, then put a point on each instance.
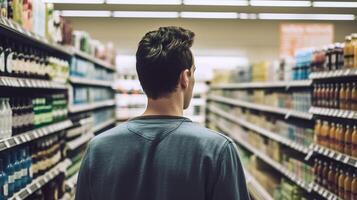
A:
(230, 184)
(83, 183)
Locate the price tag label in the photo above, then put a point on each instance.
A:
(321, 150)
(27, 137)
(342, 158)
(325, 193)
(351, 115)
(347, 72)
(23, 138)
(345, 114)
(339, 156)
(326, 152)
(16, 140)
(346, 159)
(332, 154)
(38, 185)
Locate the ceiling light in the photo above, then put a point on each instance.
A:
(277, 3)
(283, 16)
(335, 4)
(145, 2)
(216, 3)
(145, 14)
(75, 2)
(210, 15)
(85, 13)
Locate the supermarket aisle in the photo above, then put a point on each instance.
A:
(296, 133)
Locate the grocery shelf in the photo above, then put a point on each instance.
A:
(74, 144)
(334, 74)
(34, 134)
(276, 165)
(92, 59)
(71, 182)
(262, 85)
(6, 81)
(87, 81)
(254, 187)
(337, 156)
(324, 192)
(78, 130)
(100, 126)
(14, 29)
(262, 131)
(90, 106)
(283, 111)
(39, 182)
(337, 113)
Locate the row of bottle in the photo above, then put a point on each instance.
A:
(336, 136)
(336, 56)
(87, 69)
(20, 114)
(25, 61)
(54, 190)
(337, 96)
(338, 179)
(15, 172)
(83, 95)
(19, 166)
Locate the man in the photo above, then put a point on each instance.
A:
(162, 155)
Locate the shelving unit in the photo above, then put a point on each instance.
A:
(334, 74)
(260, 85)
(30, 83)
(90, 106)
(79, 141)
(86, 81)
(337, 156)
(276, 165)
(282, 111)
(92, 59)
(39, 182)
(34, 134)
(254, 187)
(266, 133)
(337, 113)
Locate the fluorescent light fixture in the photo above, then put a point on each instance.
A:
(283, 16)
(145, 14)
(85, 13)
(75, 2)
(277, 3)
(216, 2)
(145, 2)
(335, 4)
(210, 15)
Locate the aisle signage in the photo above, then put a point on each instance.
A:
(298, 36)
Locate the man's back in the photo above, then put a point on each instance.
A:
(161, 158)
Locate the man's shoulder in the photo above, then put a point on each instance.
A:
(109, 135)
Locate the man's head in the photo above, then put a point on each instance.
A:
(165, 63)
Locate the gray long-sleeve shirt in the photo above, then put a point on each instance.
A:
(161, 158)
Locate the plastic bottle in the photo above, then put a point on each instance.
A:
(2, 119)
(354, 142)
(348, 141)
(354, 186)
(354, 50)
(341, 184)
(17, 169)
(10, 171)
(332, 136)
(29, 165)
(347, 185)
(8, 118)
(347, 53)
(4, 187)
(23, 173)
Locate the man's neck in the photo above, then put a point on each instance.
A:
(169, 106)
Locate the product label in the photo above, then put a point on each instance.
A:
(11, 179)
(6, 190)
(2, 62)
(9, 62)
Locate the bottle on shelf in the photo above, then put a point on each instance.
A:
(354, 142)
(343, 96)
(4, 187)
(331, 177)
(336, 96)
(340, 138)
(2, 59)
(17, 168)
(348, 100)
(348, 141)
(337, 176)
(354, 186)
(347, 185)
(325, 171)
(354, 51)
(10, 171)
(341, 183)
(347, 52)
(332, 136)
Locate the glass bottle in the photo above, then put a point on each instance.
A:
(348, 141)
(354, 142)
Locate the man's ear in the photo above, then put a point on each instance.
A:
(185, 78)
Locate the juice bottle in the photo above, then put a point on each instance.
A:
(331, 177)
(354, 50)
(342, 96)
(337, 176)
(318, 95)
(336, 97)
(341, 183)
(314, 95)
(354, 97)
(354, 186)
(317, 130)
(319, 174)
(348, 141)
(325, 134)
(316, 170)
(332, 136)
(331, 96)
(354, 142)
(325, 171)
(347, 185)
(348, 105)
(340, 138)
(347, 52)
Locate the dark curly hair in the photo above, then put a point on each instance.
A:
(161, 57)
